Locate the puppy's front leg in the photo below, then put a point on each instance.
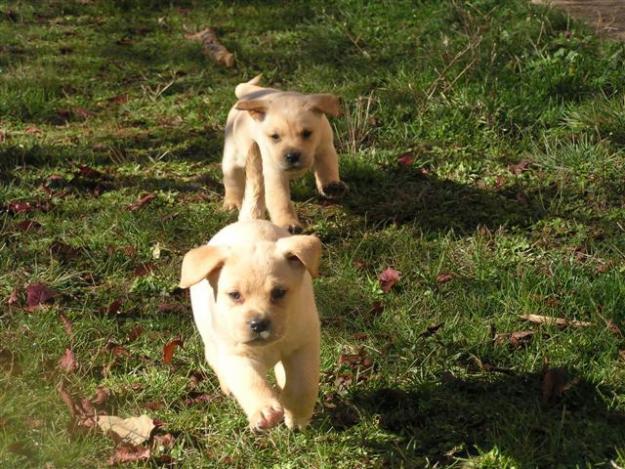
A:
(245, 381)
(278, 200)
(234, 177)
(327, 173)
(300, 385)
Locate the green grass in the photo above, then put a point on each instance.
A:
(472, 88)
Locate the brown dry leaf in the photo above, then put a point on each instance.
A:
(101, 396)
(406, 159)
(67, 362)
(143, 269)
(133, 430)
(195, 397)
(82, 412)
(13, 296)
(67, 324)
(553, 321)
(31, 129)
(117, 349)
(444, 277)
(621, 355)
(519, 167)
(171, 308)
(135, 333)
(169, 348)
(144, 199)
(125, 453)
(38, 294)
(28, 225)
(163, 442)
(388, 278)
(555, 383)
(515, 339)
(115, 307)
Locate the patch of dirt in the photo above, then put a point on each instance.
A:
(607, 17)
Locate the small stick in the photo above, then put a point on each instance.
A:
(212, 47)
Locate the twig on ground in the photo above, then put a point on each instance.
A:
(212, 48)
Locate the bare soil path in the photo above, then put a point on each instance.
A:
(606, 16)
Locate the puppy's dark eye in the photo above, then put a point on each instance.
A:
(277, 293)
(234, 295)
(275, 137)
(306, 133)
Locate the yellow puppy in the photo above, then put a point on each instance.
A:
(292, 134)
(254, 306)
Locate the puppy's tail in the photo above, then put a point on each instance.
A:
(253, 207)
(243, 89)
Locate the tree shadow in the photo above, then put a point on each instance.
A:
(456, 418)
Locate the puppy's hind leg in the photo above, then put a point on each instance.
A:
(234, 178)
(253, 207)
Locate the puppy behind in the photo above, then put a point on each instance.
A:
(254, 307)
(291, 133)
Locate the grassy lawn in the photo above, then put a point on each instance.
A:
(484, 145)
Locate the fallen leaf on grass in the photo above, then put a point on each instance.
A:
(555, 383)
(133, 430)
(195, 397)
(515, 339)
(388, 278)
(38, 294)
(169, 348)
(117, 349)
(115, 307)
(406, 159)
(67, 324)
(28, 225)
(141, 202)
(550, 320)
(17, 207)
(163, 442)
(88, 172)
(13, 296)
(143, 269)
(621, 354)
(64, 252)
(82, 412)
(125, 453)
(171, 308)
(444, 277)
(31, 129)
(67, 362)
(519, 167)
(135, 333)
(102, 395)
(376, 308)
(153, 405)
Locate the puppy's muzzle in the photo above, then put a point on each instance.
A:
(292, 159)
(260, 328)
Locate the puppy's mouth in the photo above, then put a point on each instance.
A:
(261, 338)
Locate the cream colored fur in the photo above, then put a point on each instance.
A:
(234, 280)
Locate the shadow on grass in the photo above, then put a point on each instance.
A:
(403, 195)
(461, 418)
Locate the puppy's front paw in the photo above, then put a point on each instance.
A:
(269, 415)
(334, 190)
(231, 205)
(295, 229)
(295, 422)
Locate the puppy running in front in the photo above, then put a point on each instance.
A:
(292, 134)
(254, 306)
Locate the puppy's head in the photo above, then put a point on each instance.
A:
(256, 287)
(290, 126)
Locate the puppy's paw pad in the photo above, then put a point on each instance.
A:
(335, 190)
(295, 229)
(267, 417)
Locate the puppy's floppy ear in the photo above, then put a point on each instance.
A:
(326, 103)
(305, 249)
(198, 263)
(256, 107)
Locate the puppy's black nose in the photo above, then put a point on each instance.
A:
(292, 157)
(259, 325)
